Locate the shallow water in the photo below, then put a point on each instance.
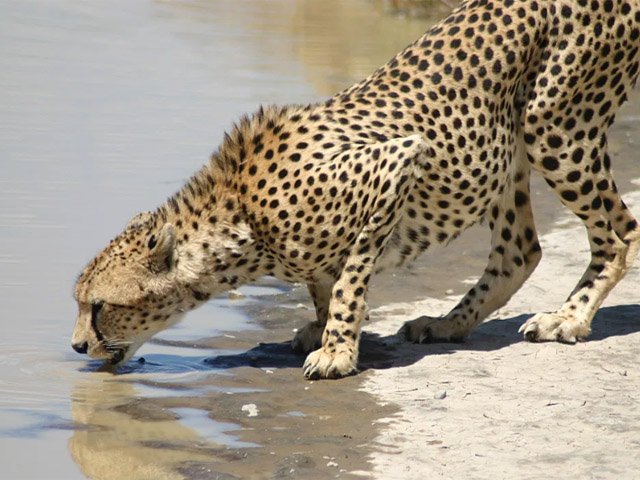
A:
(107, 107)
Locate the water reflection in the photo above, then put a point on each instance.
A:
(331, 40)
(115, 444)
(139, 425)
(340, 43)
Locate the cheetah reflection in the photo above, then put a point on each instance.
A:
(112, 444)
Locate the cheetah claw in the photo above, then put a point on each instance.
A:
(553, 327)
(322, 364)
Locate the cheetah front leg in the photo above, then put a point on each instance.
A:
(309, 337)
(338, 355)
(397, 162)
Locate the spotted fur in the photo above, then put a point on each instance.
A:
(439, 138)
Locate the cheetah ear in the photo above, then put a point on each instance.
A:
(139, 220)
(162, 249)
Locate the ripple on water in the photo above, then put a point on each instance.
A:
(33, 377)
(170, 362)
(159, 389)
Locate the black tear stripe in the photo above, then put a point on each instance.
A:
(95, 310)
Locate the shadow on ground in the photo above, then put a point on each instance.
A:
(382, 352)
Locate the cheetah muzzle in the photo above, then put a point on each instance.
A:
(439, 138)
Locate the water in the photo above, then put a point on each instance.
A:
(105, 109)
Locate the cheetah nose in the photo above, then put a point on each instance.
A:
(80, 347)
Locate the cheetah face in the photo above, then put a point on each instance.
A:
(115, 332)
(129, 292)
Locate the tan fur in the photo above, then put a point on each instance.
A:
(439, 138)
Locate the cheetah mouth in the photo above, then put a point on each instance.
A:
(116, 355)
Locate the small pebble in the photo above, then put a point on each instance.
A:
(251, 410)
(449, 292)
(440, 394)
(141, 360)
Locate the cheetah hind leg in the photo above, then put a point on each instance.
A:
(614, 238)
(426, 329)
(572, 322)
(515, 253)
(309, 337)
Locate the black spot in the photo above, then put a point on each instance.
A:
(554, 141)
(520, 198)
(586, 188)
(550, 163)
(569, 195)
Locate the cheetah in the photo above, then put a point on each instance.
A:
(441, 137)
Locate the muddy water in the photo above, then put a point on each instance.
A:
(107, 107)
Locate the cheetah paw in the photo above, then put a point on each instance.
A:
(554, 327)
(322, 364)
(308, 338)
(430, 330)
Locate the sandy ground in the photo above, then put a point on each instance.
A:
(513, 409)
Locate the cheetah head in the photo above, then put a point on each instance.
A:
(130, 291)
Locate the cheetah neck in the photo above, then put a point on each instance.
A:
(219, 258)
(215, 247)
